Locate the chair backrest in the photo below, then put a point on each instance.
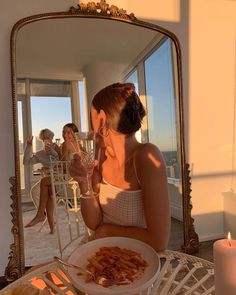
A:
(35, 193)
(66, 196)
(184, 274)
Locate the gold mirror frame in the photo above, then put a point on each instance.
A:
(102, 10)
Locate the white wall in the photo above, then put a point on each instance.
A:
(206, 30)
(212, 78)
(96, 81)
(229, 215)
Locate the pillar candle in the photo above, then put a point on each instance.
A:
(225, 266)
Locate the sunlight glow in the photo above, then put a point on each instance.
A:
(155, 161)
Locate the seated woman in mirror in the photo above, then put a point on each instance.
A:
(130, 196)
(50, 150)
(71, 144)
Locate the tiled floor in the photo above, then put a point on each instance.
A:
(40, 246)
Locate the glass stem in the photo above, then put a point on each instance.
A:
(90, 188)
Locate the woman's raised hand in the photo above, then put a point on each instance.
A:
(29, 140)
(47, 146)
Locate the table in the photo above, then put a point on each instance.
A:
(180, 274)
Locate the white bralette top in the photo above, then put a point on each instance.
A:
(121, 207)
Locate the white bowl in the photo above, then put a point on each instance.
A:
(80, 255)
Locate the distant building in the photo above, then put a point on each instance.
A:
(172, 172)
(172, 165)
(176, 170)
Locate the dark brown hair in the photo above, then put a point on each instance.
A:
(72, 126)
(122, 106)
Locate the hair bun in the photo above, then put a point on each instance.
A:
(122, 106)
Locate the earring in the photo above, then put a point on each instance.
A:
(101, 131)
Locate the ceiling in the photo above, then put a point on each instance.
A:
(69, 45)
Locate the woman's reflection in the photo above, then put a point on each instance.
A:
(50, 151)
(70, 144)
(130, 196)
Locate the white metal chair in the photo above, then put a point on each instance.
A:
(35, 196)
(66, 194)
(184, 274)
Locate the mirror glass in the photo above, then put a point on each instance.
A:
(60, 64)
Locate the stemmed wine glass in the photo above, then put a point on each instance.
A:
(87, 154)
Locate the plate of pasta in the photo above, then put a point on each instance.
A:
(132, 265)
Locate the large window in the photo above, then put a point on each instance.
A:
(154, 81)
(49, 112)
(161, 105)
(133, 78)
(41, 104)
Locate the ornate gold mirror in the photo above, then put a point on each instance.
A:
(59, 61)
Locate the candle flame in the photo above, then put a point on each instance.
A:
(229, 238)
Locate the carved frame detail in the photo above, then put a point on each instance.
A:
(15, 267)
(191, 239)
(102, 8)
